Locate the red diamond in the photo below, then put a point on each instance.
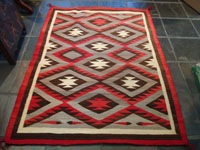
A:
(98, 104)
(100, 21)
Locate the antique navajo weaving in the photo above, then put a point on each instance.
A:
(98, 75)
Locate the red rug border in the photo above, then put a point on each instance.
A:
(170, 80)
(10, 127)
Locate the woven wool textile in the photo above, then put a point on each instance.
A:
(98, 75)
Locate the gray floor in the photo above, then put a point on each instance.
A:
(178, 28)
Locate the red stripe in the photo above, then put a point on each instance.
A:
(50, 122)
(123, 123)
(145, 123)
(170, 81)
(111, 141)
(75, 122)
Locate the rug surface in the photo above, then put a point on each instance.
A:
(98, 75)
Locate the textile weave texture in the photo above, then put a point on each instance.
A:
(98, 75)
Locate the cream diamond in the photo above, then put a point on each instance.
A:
(123, 33)
(130, 83)
(99, 64)
(68, 82)
(75, 32)
(99, 46)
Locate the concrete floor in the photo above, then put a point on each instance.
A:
(178, 29)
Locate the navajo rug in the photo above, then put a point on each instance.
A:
(98, 75)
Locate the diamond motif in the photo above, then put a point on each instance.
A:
(55, 79)
(100, 22)
(67, 81)
(72, 54)
(99, 64)
(98, 104)
(116, 82)
(90, 64)
(127, 54)
(123, 34)
(75, 33)
(78, 104)
(130, 82)
(99, 44)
